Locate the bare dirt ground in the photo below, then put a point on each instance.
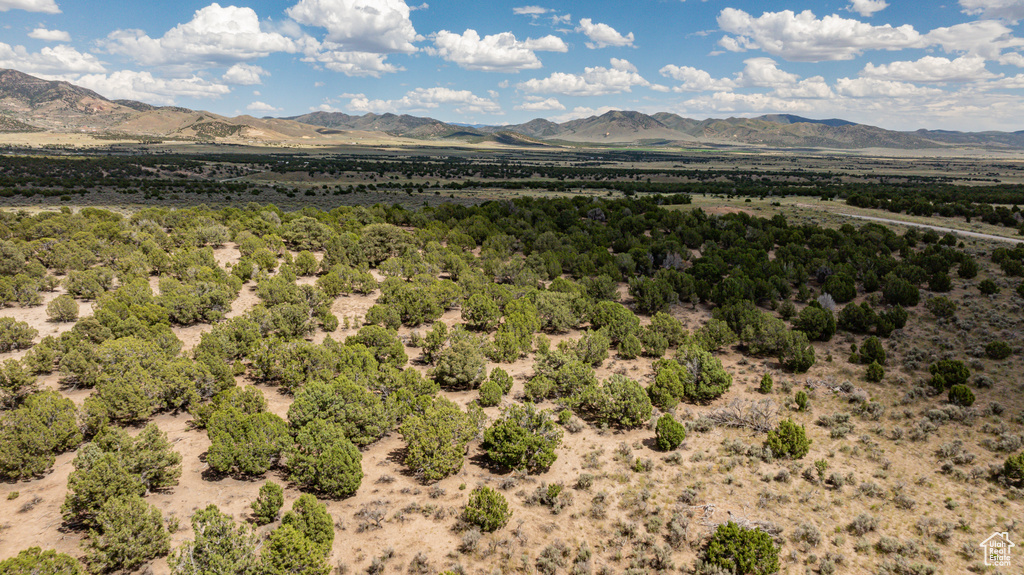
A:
(910, 496)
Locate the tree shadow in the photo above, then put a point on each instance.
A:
(483, 461)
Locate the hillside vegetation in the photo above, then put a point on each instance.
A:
(555, 385)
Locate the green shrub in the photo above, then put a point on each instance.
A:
(630, 347)
(961, 395)
(267, 504)
(897, 316)
(741, 551)
(875, 372)
(62, 308)
(669, 433)
(128, 532)
(714, 335)
(619, 320)
(941, 306)
(487, 509)
(695, 375)
(872, 351)
(857, 318)
(289, 552)
(841, 287)
(817, 322)
(788, 440)
(940, 282)
(305, 263)
(988, 287)
(502, 378)
(480, 312)
(33, 434)
(360, 413)
(948, 372)
(324, 460)
(654, 343)
(797, 353)
(249, 400)
(523, 438)
(898, 291)
(220, 546)
(148, 456)
(35, 561)
(461, 365)
(383, 342)
(968, 268)
(310, 518)
(591, 348)
(245, 444)
(490, 394)
(436, 439)
(766, 384)
(667, 327)
(383, 315)
(15, 334)
(998, 350)
(617, 401)
(1013, 469)
(801, 400)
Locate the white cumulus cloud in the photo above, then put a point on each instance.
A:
(258, 106)
(540, 105)
(378, 26)
(931, 69)
(50, 35)
(804, 37)
(603, 35)
(695, 79)
(757, 72)
(422, 99)
(494, 53)
(245, 75)
(867, 7)
(582, 112)
(335, 58)
(596, 81)
(1006, 9)
(530, 11)
(985, 37)
(54, 60)
(215, 34)
(143, 86)
(1012, 59)
(732, 102)
(764, 72)
(879, 88)
(46, 6)
(810, 88)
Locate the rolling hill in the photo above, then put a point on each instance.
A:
(30, 104)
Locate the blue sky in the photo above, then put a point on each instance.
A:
(891, 63)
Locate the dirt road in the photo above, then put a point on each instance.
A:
(978, 235)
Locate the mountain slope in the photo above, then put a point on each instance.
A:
(30, 104)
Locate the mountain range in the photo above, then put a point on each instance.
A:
(30, 104)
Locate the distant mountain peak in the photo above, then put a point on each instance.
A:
(35, 104)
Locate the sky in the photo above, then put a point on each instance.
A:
(904, 65)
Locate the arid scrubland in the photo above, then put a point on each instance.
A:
(574, 385)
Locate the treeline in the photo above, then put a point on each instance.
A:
(970, 203)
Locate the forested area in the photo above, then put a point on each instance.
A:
(219, 176)
(565, 283)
